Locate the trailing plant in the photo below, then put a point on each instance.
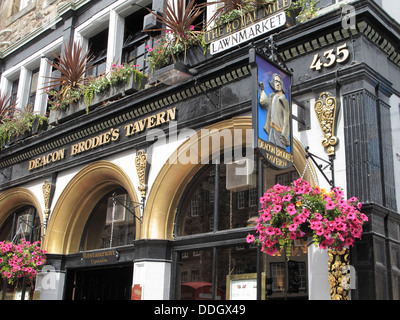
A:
(229, 10)
(20, 123)
(166, 51)
(308, 9)
(288, 211)
(180, 30)
(119, 74)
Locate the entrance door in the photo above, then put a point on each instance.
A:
(111, 283)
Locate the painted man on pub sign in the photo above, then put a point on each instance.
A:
(277, 122)
(274, 114)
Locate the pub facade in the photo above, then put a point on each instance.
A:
(148, 189)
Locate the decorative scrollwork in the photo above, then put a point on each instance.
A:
(141, 164)
(325, 109)
(46, 195)
(339, 279)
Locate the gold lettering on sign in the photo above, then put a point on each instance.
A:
(325, 109)
(275, 155)
(92, 143)
(150, 122)
(47, 159)
(105, 138)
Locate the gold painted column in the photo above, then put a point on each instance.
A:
(339, 279)
(46, 188)
(326, 108)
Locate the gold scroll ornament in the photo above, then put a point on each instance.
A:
(325, 109)
(339, 279)
(46, 195)
(141, 163)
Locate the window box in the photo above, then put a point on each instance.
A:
(194, 56)
(110, 94)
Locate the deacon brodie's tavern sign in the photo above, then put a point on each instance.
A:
(107, 137)
(250, 25)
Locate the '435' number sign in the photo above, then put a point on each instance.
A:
(341, 55)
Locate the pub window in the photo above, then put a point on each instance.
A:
(201, 19)
(135, 40)
(111, 223)
(98, 50)
(199, 214)
(54, 74)
(219, 267)
(22, 224)
(14, 90)
(33, 88)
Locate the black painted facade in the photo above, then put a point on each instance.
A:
(221, 89)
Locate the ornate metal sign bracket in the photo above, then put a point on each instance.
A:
(269, 50)
(319, 166)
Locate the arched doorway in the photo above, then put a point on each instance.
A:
(20, 218)
(94, 224)
(81, 195)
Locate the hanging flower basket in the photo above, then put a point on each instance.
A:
(286, 211)
(19, 260)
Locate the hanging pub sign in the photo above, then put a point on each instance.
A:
(265, 19)
(272, 112)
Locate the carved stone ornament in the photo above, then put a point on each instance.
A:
(141, 163)
(46, 195)
(339, 279)
(325, 109)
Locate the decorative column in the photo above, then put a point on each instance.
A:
(141, 168)
(339, 279)
(325, 108)
(46, 195)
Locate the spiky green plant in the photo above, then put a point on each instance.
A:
(73, 65)
(7, 107)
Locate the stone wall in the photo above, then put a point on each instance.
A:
(16, 25)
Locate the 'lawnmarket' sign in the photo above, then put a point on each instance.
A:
(262, 27)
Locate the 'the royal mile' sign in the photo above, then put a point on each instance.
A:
(249, 26)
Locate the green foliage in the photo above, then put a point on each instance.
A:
(21, 122)
(119, 74)
(181, 34)
(167, 49)
(308, 9)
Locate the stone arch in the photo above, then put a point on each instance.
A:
(173, 178)
(17, 198)
(69, 216)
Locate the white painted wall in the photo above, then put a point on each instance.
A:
(154, 277)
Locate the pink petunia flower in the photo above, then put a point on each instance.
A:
(250, 238)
